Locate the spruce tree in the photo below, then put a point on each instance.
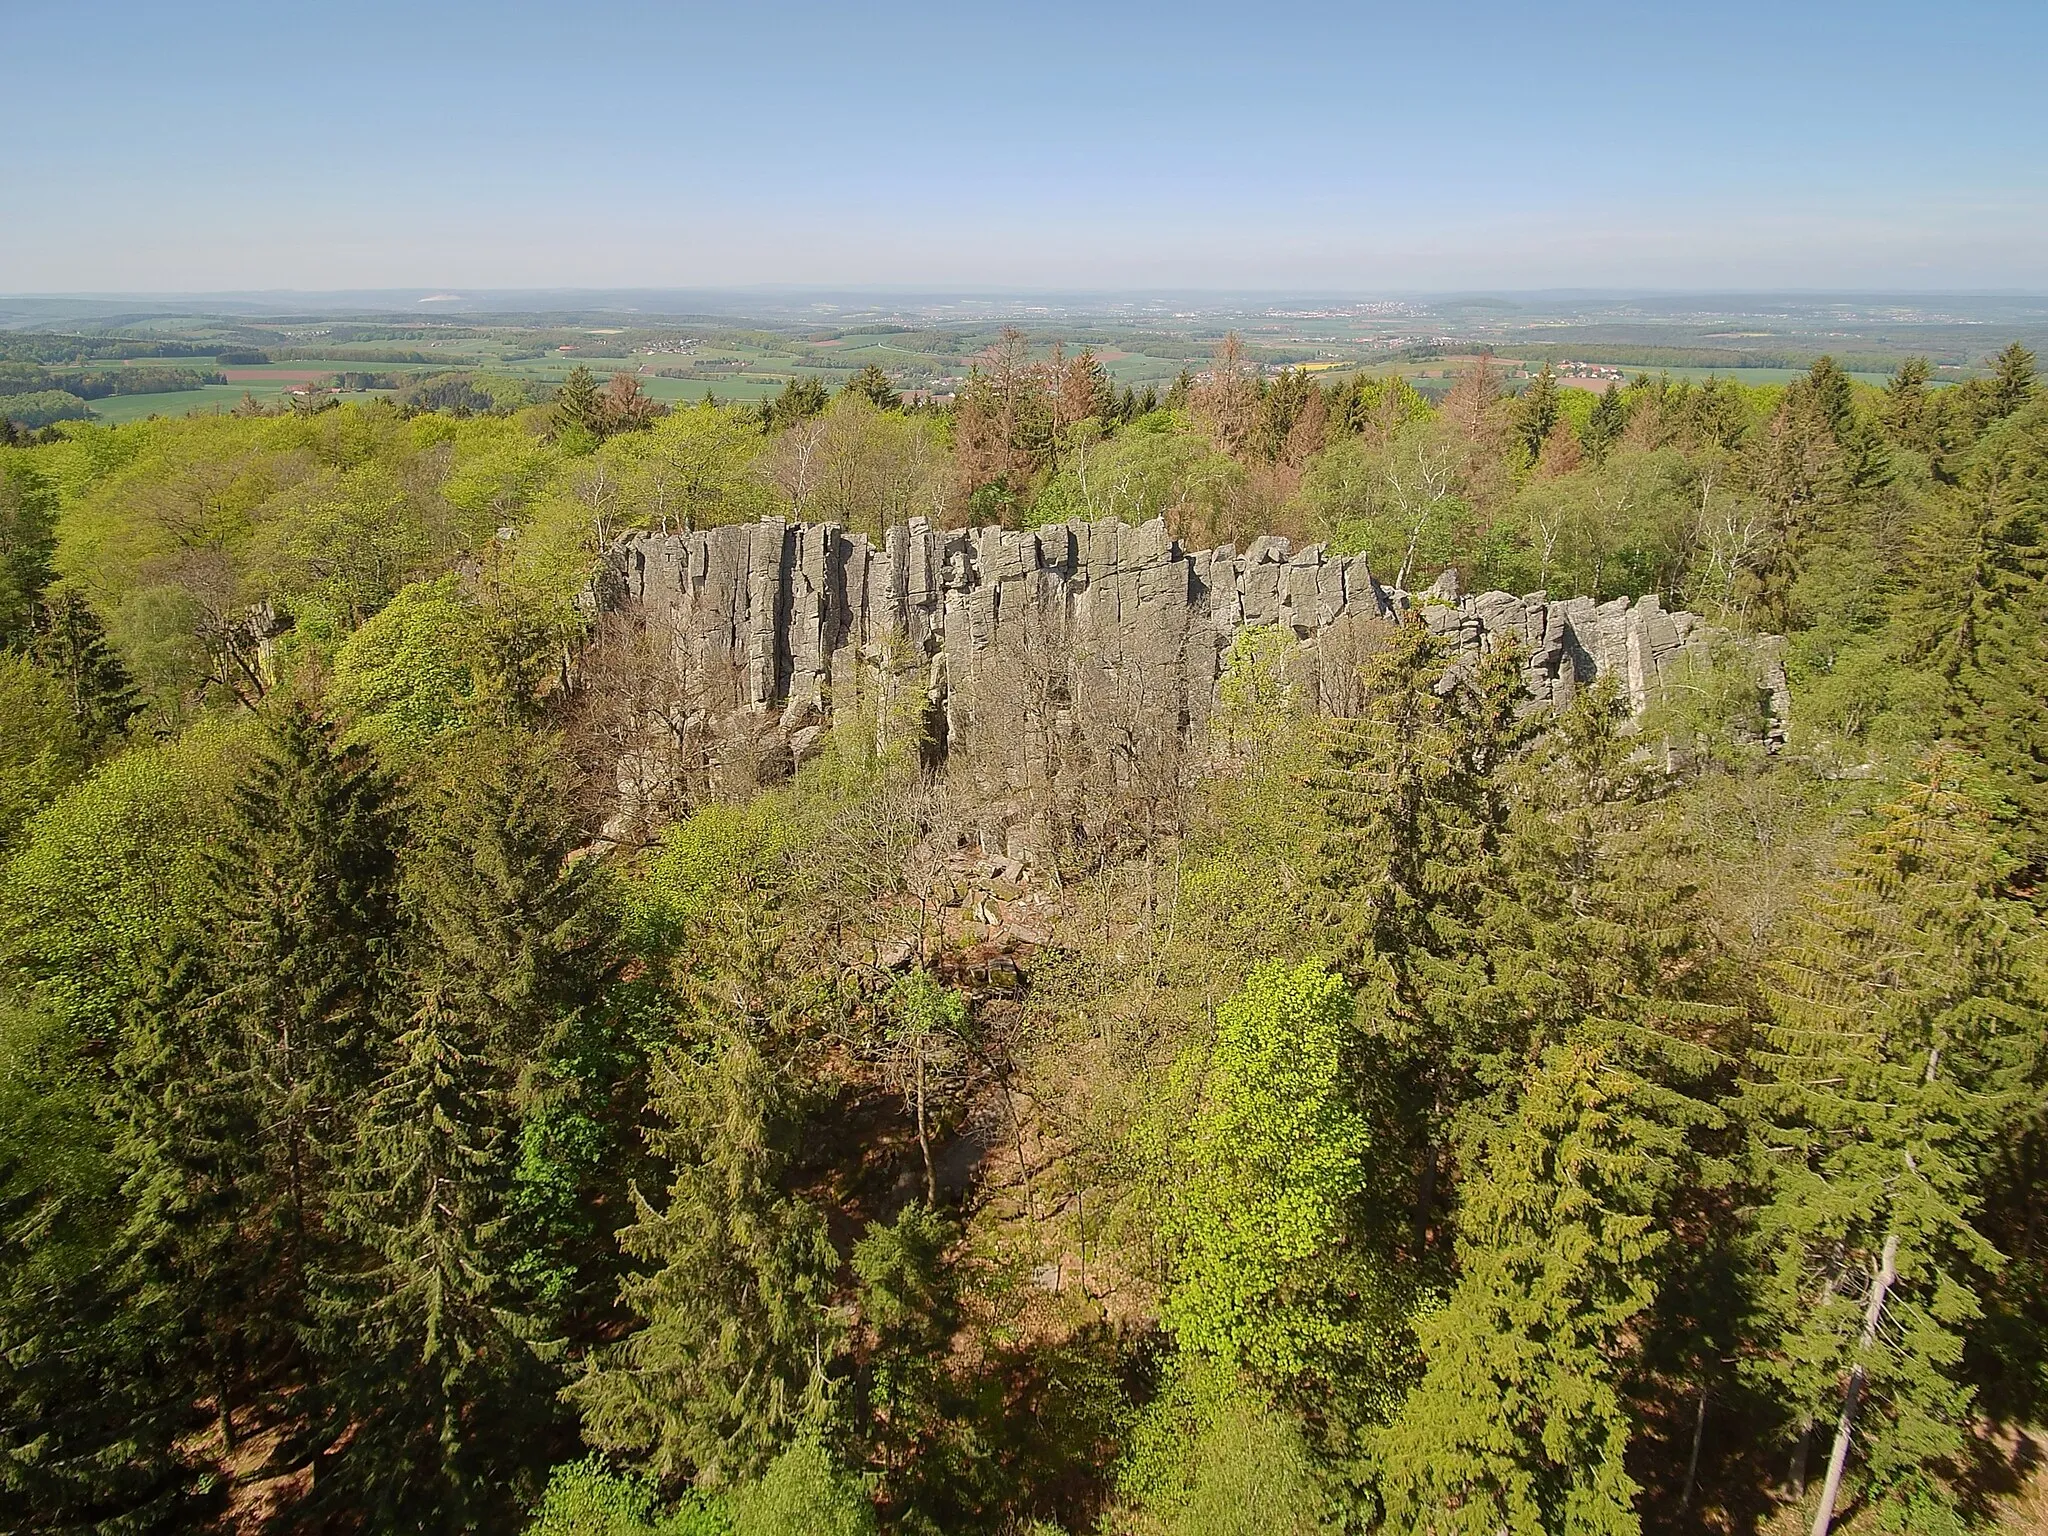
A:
(252, 1060)
(1519, 1425)
(1417, 803)
(1910, 413)
(576, 407)
(72, 647)
(1604, 427)
(512, 932)
(200, 1242)
(434, 1383)
(308, 964)
(872, 385)
(28, 536)
(2012, 381)
(1981, 607)
(97, 1400)
(733, 1333)
(1537, 412)
(1898, 1027)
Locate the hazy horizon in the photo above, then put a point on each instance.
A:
(1315, 149)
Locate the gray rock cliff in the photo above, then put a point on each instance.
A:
(1017, 639)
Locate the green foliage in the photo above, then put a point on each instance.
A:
(1157, 468)
(41, 749)
(803, 1494)
(1208, 1458)
(41, 407)
(407, 676)
(1263, 1208)
(588, 1498)
(734, 1274)
(1518, 1424)
(1901, 1020)
(113, 868)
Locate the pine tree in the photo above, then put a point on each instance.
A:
(1518, 1427)
(512, 931)
(72, 647)
(873, 385)
(1981, 607)
(576, 408)
(2012, 381)
(434, 1384)
(1417, 804)
(1538, 412)
(1897, 1029)
(733, 1333)
(1605, 426)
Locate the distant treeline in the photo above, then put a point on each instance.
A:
(1624, 355)
(40, 408)
(27, 347)
(97, 384)
(352, 354)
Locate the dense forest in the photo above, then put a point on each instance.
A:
(1435, 1117)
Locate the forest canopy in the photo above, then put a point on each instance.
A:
(1435, 1116)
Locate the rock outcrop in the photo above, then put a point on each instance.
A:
(1019, 639)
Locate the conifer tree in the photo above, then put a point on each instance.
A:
(873, 385)
(1538, 412)
(241, 1073)
(435, 1385)
(1518, 1425)
(28, 527)
(800, 399)
(1982, 609)
(1604, 427)
(97, 1401)
(2012, 381)
(733, 1332)
(72, 647)
(1910, 413)
(1897, 1029)
(198, 1240)
(576, 407)
(511, 925)
(1417, 804)
(512, 933)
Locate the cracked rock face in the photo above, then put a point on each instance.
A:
(1007, 638)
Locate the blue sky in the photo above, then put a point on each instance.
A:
(1367, 147)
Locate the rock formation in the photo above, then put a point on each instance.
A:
(1016, 640)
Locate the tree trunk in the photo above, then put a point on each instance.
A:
(924, 1141)
(1692, 1467)
(1799, 1451)
(1425, 1198)
(1887, 1271)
